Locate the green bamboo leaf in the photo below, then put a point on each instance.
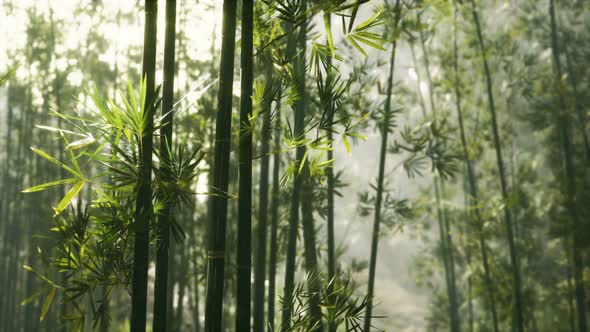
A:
(55, 161)
(47, 303)
(328, 28)
(131, 93)
(357, 135)
(302, 162)
(371, 21)
(4, 77)
(57, 130)
(368, 42)
(81, 143)
(46, 156)
(100, 104)
(63, 204)
(356, 45)
(364, 117)
(369, 35)
(32, 298)
(325, 163)
(48, 185)
(44, 278)
(346, 144)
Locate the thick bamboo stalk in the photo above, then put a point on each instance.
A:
(220, 174)
(164, 219)
(244, 249)
(143, 208)
(297, 181)
(261, 234)
(310, 252)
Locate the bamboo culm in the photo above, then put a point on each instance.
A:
(297, 181)
(515, 267)
(380, 183)
(473, 191)
(442, 215)
(261, 235)
(570, 181)
(244, 249)
(163, 223)
(143, 208)
(220, 174)
(310, 251)
(274, 220)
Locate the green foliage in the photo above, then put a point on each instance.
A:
(74, 227)
(339, 306)
(428, 142)
(362, 34)
(96, 237)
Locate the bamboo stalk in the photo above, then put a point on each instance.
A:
(143, 208)
(310, 252)
(220, 174)
(473, 191)
(261, 236)
(514, 260)
(442, 214)
(275, 201)
(569, 173)
(380, 181)
(244, 249)
(164, 219)
(297, 181)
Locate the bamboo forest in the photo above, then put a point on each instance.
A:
(294, 165)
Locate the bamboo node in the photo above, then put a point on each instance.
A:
(211, 254)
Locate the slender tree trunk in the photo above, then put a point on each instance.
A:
(309, 241)
(220, 174)
(514, 261)
(418, 80)
(244, 250)
(570, 181)
(172, 280)
(442, 216)
(470, 313)
(297, 181)
(330, 202)
(179, 316)
(473, 191)
(4, 204)
(570, 288)
(143, 209)
(581, 115)
(30, 314)
(164, 219)
(4, 213)
(10, 238)
(274, 211)
(437, 185)
(196, 311)
(445, 253)
(330, 194)
(380, 181)
(261, 236)
(143, 212)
